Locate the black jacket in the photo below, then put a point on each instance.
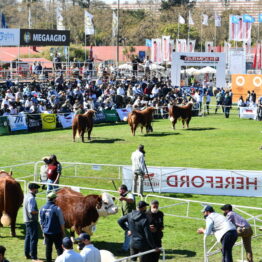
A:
(141, 236)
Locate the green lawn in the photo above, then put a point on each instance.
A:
(211, 142)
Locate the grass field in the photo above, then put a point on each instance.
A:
(211, 142)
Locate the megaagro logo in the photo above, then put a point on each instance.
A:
(49, 118)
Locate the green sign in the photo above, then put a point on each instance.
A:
(4, 129)
(111, 116)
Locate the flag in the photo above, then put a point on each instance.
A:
(248, 18)
(156, 50)
(165, 48)
(148, 42)
(59, 17)
(234, 19)
(259, 18)
(181, 45)
(181, 20)
(209, 46)
(240, 30)
(3, 22)
(217, 20)
(257, 57)
(247, 46)
(114, 24)
(190, 19)
(204, 19)
(89, 26)
(191, 46)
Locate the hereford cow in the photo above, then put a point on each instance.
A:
(181, 112)
(83, 122)
(141, 118)
(82, 212)
(11, 198)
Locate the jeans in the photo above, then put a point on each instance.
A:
(246, 234)
(51, 187)
(228, 241)
(49, 241)
(31, 239)
(125, 245)
(138, 183)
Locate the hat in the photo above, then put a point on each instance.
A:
(154, 202)
(142, 204)
(33, 186)
(67, 243)
(208, 209)
(51, 195)
(227, 207)
(141, 148)
(83, 236)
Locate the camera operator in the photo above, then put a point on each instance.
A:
(89, 252)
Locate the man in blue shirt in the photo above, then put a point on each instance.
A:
(30, 213)
(53, 226)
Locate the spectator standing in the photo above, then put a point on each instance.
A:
(128, 205)
(139, 169)
(52, 223)
(89, 252)
(69, 255)
(54, 170)
(2, 254)
(139, 230)
(30, 213)
(227, 104)
(224, 231)
(156, 224)
(244, 229)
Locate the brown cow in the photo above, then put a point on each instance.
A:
(11, 198)
(181, 112)
(83, 122)
(141, 118)
(82, 212)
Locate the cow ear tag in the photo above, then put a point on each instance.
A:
(93, 229)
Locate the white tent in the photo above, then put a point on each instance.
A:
(192, 71)
(125, 67)
(156, 67)
(207, 70)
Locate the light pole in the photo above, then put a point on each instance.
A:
(117, 37)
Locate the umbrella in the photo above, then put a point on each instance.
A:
(207, 70)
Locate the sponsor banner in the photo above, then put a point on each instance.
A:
(248, 112)
(41, 37)
(34, 123)
(66, 120)
(242, 83)
(123, 113)
(9, 37)
(111, 115)
(166, 48)
(100, 117)
(4, 128)
(200, 181)
(17, 122)
(237, 61)
(48, 121)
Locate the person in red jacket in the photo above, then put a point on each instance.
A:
(54, 169)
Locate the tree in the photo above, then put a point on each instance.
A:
(166, 4)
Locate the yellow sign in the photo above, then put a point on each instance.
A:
(48, 121)
(243, 83)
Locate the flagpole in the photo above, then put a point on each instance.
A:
(188, 30)
(117, 39)
(178, 26)
(215, 33)
(201, 31)
(85, 46)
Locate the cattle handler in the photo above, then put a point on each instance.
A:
(139, 169)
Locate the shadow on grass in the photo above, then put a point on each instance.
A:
(183, 252)
(201, 128)
(115, 248)
(162, 134)
(178, 195)
(104, 140)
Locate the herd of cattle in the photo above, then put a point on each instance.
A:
(143, 118)
(81, 218)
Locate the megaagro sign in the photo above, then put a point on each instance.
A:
(39, 37)
(200, 181)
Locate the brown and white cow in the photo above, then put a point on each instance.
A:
(11, 199)
(180, 112)
(83, 122)
(141, 118)
(82, 212)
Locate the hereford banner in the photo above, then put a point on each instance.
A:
(40, 37)
(242, 83)
(17, 122)
(48, 121)
(200, 181)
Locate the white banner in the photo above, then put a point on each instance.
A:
(200, 181)
(66, 120)
(123, 113)
(114, 24)
(181, 45)
(191, 46)
(248, 112)
(89, 26)
(166, 48)
(9, 37)
(17, 122)
(237, 61)
(209, 46)
(59, 17)
(156, 51)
